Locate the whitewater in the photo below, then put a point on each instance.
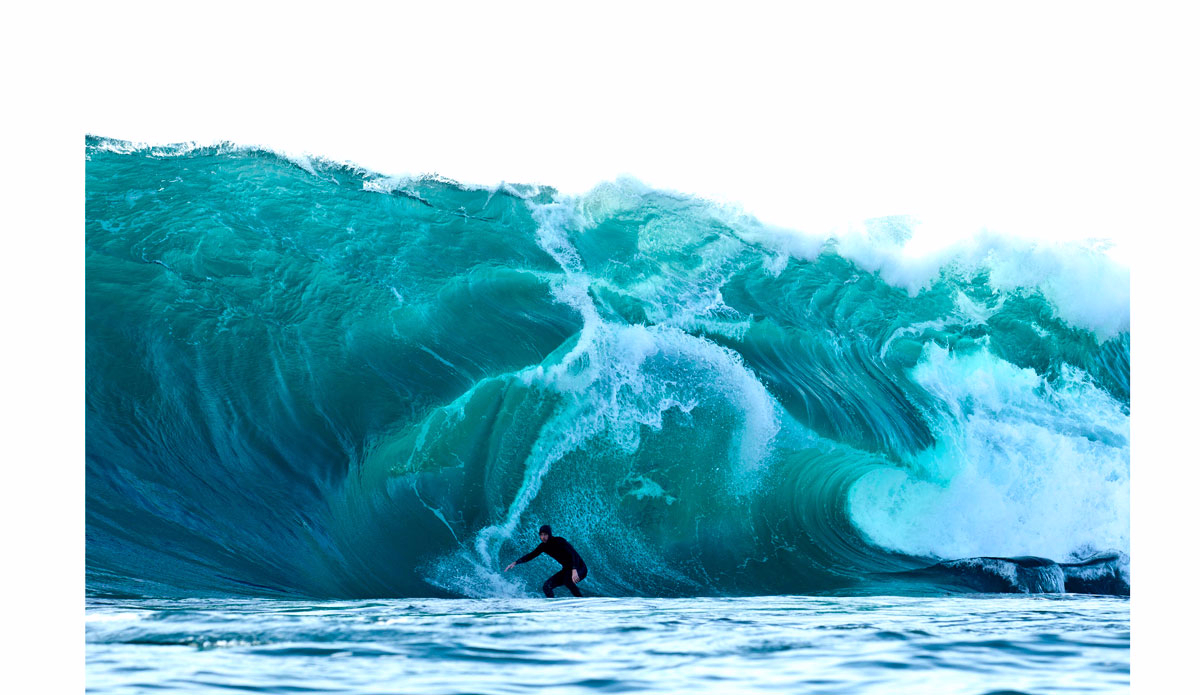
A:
(310, 382)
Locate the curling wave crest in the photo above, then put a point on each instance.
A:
(304, 378)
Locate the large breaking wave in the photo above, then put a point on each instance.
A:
(306, 378)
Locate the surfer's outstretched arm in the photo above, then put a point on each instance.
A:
(541, 548)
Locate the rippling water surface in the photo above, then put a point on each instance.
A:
(975, 644)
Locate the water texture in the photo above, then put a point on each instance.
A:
(309, 381)
(978, 644)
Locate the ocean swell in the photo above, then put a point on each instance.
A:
(307, 379)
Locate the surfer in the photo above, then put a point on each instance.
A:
(573, 569)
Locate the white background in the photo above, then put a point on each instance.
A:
(1045, 120)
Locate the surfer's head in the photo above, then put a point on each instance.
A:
(544, 532)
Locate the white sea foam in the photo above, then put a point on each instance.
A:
(1023, 466)
(1087, 286)
(615, 382)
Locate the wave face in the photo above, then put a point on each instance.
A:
(307, 379)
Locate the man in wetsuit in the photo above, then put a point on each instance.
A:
(573, 570)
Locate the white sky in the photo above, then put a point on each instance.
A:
(1023, 118)
(1045, 120)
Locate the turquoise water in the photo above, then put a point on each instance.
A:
(326, 407)
(963, 645)
(307, 379)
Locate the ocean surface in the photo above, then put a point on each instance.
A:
(788, 644)
(325, 407)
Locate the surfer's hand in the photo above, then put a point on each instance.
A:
(510, 566)
(575, 576)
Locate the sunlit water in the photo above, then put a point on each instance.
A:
(976, 644)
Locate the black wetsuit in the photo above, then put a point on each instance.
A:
(559, 549)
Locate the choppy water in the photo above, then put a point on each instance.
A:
(964, 644)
